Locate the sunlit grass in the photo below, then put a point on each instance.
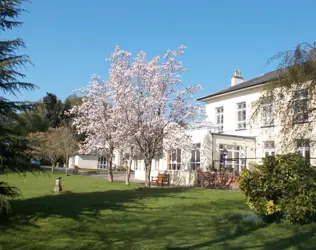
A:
(93, 214)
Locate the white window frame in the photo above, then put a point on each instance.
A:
(302, 147)
(267, 114)
(156, 164)
(300, 106)
(195, 163)
(138, 164)
(102, 162)
(241, 124)
(220, 118)
(268, 148)
(174, 159)
(236, 165)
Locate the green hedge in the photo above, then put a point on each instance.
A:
(282, 188)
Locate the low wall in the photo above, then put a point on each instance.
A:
(182, 178)
(140, 174)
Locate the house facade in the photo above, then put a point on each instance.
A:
(93, 161)
(230, 136)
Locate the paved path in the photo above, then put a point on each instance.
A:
(116, 177)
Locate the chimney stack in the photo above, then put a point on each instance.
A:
(236, 78)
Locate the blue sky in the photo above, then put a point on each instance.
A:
(68, 40)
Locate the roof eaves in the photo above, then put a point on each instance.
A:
(221, 93)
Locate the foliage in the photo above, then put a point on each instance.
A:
(67, 143)
(53, 110)
(281, 188)
(93, 214)
(67, 117)
(296, 75)
(6, 192)
(53, 144)
(12, 144)
(95, 118)
(33, 120)
(45, 145)
(151, 107)
(216, 179)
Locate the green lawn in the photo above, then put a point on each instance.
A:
(94, 214)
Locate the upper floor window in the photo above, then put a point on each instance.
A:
(300, 106)
(195, 156)
(267, 116)
(220, 118)
(174, 159)
(302, 147)
(268, 148)
(241, 115)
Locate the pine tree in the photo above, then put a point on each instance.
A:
(12, 144)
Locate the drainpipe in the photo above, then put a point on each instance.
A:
(212, 149)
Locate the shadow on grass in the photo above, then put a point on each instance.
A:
(74, 205)
(171, 219)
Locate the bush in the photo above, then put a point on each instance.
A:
(282, 188)
(216, 179)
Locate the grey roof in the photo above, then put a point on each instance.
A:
(247, 84)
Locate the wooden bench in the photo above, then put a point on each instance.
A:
(161, 179)
(75, 170)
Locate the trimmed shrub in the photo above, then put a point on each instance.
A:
(282, 188)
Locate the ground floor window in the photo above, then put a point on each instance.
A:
(195, 156)
(302, 147)
(232, 157)
(174, 159)
(73, 160)
(102, 162)
(268, 148)
(138, 164)
(156, 165)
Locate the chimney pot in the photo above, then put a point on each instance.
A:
(236, 78)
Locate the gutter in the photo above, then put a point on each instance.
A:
(206, 98)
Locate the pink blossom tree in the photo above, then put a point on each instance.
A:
(95, 118)
(152, 108)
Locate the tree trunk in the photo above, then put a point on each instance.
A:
(147, 173)
(53, 166)
(110, 172)
(67, 166)
(128, 171)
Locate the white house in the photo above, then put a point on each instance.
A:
(227, 137)
(93, 161)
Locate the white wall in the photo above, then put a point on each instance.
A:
(229, 102)
(84, 161)
(91, 161)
